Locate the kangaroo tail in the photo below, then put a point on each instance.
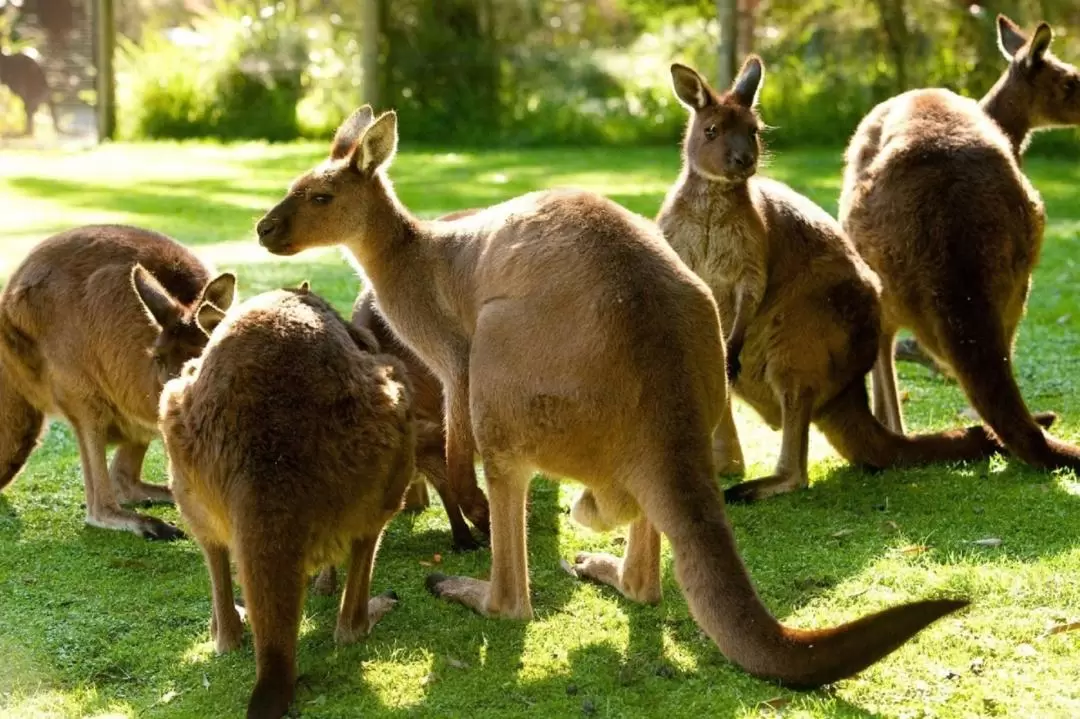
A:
(860, 438)
(979, 352)
(686, 505)
(273, 586)
(20, 427)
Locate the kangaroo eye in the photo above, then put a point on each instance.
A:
(322, 199)
(710, 132)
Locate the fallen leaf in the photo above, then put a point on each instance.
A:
(893, 525)
(988, 542)
(205, 681)
(321, 699)
(775, 703)
(915, 549)
(437, 558)
(841, 533)
(456, 663)
(424, 564)
(1062, 628)
(1063, 319)
(168, 696)
(428, 679)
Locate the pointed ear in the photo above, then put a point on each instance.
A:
(160, 307)
(690, 87)
(208, 317)
(1040, 43)
(747, 85)
(221, 290)
(1010, 37)
(349, 133)
(377, 145)
(304, 288)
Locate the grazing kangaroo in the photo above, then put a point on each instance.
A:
(935, 201)
(802, 307)
(625, 401)
(290, 444)
(77, 341)
(24, 76)
(428, 407)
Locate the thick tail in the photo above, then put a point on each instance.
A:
(686, 506)
(20, 427)
(860, 438)
(273, 584)
(979, 353)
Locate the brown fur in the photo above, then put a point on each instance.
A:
(935, 201)
(801, 304)
(25, 78)
(625, 401)
(428, 406)
(290, 445)
(76, 341)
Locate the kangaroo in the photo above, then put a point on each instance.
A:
(77, 341)
(935, 201)
(625, 401)
(290, 444)
(802, 306)
(24, 76)
(428, 406)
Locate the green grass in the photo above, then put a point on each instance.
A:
(97, 623)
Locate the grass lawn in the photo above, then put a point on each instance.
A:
(98, 623)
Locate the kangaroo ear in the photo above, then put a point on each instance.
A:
(208, 317)
(377, 145)
(349, 133)
(690, 87)
(304, 287)
(1040, 43)
(161, 308)
(747, 85)
(221, 290)
(1010, 37)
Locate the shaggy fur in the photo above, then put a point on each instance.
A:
(290, 445)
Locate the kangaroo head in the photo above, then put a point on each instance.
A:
(338, 199)
(183, 331)
(1052, 86)
(721, 141)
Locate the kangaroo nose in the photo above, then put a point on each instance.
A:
(265, 226)
(741, 160)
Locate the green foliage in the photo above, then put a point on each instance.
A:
(242, 79)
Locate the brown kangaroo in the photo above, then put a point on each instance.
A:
(935, 201)
(625, 401)
(24, 76)
(802, 307)
(76, 341)
(290, 444)
(428, 407)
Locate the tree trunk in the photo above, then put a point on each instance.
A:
(748, 10)
(897, 37)
(369, 52)
(728, 17)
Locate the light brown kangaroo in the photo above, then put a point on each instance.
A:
(77, 341)
(290, 445)
(25, 78)
(625, 401)
(935, 201)
(430, 445)
(802, 307)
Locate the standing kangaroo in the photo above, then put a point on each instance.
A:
(76, 341)
(24, 76)
(802, 307)
(430, 445)
(290, 444)
(935, 201)
(625, 400)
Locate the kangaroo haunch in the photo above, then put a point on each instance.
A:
(92, 323)
(935, 201)
(625, 401)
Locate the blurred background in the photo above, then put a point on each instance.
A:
(491, 72)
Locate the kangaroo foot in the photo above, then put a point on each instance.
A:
(755, 489)
(476, 595)
(377, 608)
(140, 524)
(464, 541)
(609, 569)
(144, 494)
(227, 634)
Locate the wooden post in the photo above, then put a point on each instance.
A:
(369, 52)
(728, 17)
(106, 77)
